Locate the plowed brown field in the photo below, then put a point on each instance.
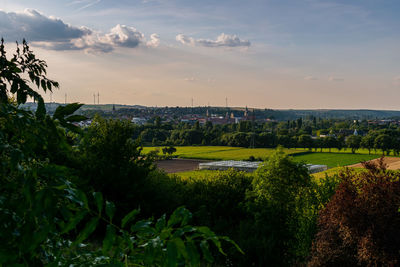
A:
(391, 162)
(179, 165)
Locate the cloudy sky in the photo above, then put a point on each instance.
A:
(266, 54)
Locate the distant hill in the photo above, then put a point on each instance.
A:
(51, 107)
(336, 113)
(277, 114)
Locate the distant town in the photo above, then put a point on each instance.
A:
(224, 115)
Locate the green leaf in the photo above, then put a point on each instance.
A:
(227, 239)
(180, 215)
(89, 228)
(31, 76)
(180, 245)
(49, 85)
(143, 227)
(193, 253)
(110, 210)
(82, 197)
(109, 238)
(161, 222)
(98, 197)
(37, 81)
(130, 216)
(74, 221)
(183, 230)
(71, 108)
(59, 113)
(211, 236)
(43, 84)
(206, 252)
(172, 254)
(63, 111)
(55, 84)
(206, 231)
(39, 237)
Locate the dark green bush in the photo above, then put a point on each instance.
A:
(111, 162)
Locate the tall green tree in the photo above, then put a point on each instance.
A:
(383, 142)
(368, 142)
(305, 141)
(273, 200)
(353, 142)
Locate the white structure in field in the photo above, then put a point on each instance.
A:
(248, 166)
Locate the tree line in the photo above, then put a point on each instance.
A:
(340, 135)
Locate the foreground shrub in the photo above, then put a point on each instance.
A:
(360, 225)
(111, 162)
(275, 201)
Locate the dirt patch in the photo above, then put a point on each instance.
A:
(179, 165)
(392, 163)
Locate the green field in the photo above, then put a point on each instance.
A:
(346, 151)
(221, 152)
(333, 159)
(238, 153)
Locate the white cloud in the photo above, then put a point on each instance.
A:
(34, 26)
(335, 79)
(310, 78)
(154, 40)
(122, 35)
(185, 39)
(223, 40)
(53, 33)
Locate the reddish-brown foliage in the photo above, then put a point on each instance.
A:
(361, 223)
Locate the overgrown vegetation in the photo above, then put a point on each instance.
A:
(51, 204)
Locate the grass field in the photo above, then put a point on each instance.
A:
(333, 159)
(238, 153)
(347, 151)
(221, 152)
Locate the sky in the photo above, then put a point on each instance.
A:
(280, 54)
